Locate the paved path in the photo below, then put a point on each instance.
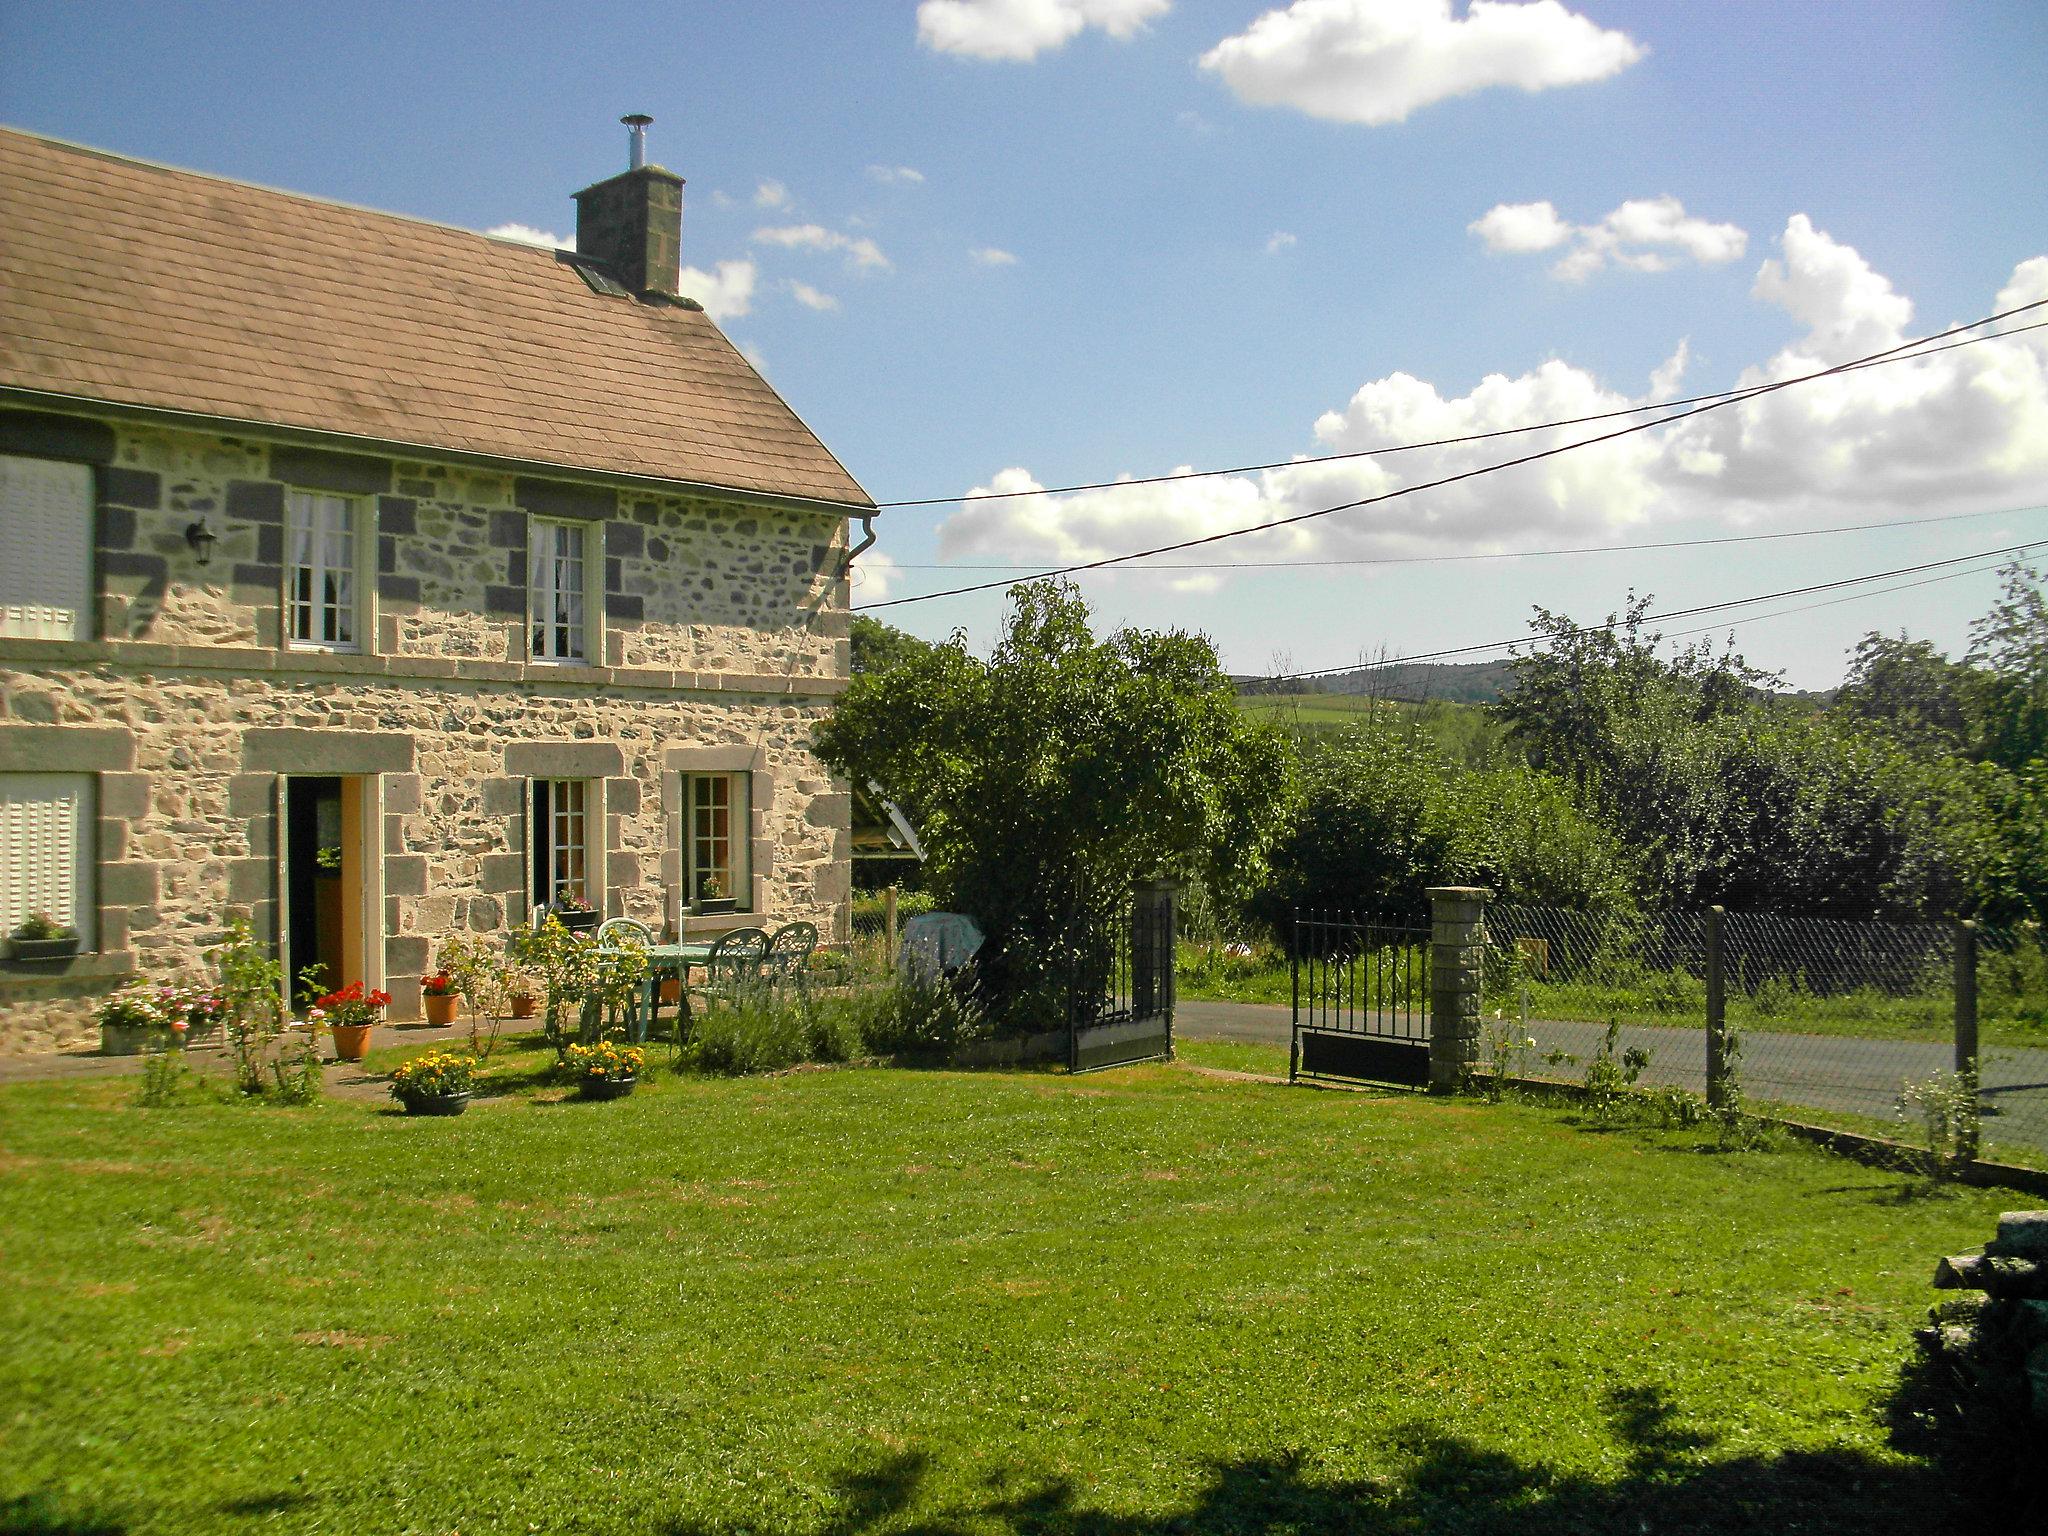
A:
(347, 1080)
(1817, 1071)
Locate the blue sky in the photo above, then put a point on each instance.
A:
(1242, 233)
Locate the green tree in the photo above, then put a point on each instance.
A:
(1911, 690)
(1049, 776)
(2010, 644)
(877, 646)
(1383, 815)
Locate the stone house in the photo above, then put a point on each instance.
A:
(381, 580)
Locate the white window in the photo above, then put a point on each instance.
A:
(554, 566)
(561, 844)
(321, 580)
(46, 577)
(46, 822)
(716, 844)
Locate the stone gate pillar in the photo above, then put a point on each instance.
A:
(1457, 951)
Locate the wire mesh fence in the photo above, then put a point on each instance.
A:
(1853, 1024)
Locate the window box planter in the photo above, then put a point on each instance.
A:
(593, 1087)
(44, 951)
(435, 1103)
(580, 922)
(708, 906)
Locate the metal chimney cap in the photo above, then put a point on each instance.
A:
(636, 119)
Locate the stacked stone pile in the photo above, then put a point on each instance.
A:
(1999, 1340)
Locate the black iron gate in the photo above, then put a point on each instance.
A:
(1120, 996)
(1361, 997)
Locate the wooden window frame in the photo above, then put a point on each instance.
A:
(357, 607)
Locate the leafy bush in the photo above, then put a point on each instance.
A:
(766, 1036)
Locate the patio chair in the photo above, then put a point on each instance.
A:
(789, 957)
(732, 971)
(632, 930)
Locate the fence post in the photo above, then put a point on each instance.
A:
(1457, 957)
(889, 923)
(1717, 1014)
(1966, 1028)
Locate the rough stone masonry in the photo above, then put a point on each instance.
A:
(719, 639)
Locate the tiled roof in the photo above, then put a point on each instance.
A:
(145, 286)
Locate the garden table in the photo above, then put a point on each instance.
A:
(666, 961)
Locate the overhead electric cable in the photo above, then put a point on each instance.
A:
(1526, 554)
(1462, 475)
(1836, 602)
(1999, 556)
(1926, 349)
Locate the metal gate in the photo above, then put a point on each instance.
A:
(1120, 996)
(1361, 998)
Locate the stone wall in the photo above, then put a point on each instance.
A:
(723, 640)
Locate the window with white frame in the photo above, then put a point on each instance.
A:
(46, 579)
(554, 565)
(716, 842)
(46, 850)
(320, 587)
(560, 841)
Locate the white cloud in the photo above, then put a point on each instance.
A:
(526, 234)
(726, 293)
(993, 256)
(897, 175)
(1650, 234)
(875, 576)
(721, 198)
(1376, 61)
(771, 194)
(1951, 431)
(1279, 241)
(859, 249)
(811, 298)
(1521, 227)
(1020, 30)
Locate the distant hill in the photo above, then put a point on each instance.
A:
(1468, 682)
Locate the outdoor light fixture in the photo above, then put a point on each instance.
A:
(201, 538)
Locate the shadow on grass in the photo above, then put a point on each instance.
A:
(1966, 1474)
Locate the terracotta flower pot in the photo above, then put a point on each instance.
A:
(525, 1005)
(441, 1008)
(671, 989)
(351, 1041)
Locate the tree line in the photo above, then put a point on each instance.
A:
(1047, 775)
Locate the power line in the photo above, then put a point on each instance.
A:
(1927, 350)
(1997, 556)
(1463, 475)
(1836, 602)
(1527, 554)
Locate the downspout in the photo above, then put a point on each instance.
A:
(867, 542)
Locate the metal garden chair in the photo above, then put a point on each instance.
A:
(789, 958)
(732, 971)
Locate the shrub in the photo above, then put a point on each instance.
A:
(763, 1037)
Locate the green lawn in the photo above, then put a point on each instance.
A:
(880, 1300)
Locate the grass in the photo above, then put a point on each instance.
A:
(872, 1300)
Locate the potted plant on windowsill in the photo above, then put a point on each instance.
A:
(576, 914)
(438, 1083)
(711, 897)
(605, 1070)
(437, 995)
(40, 937)
(349, 1015)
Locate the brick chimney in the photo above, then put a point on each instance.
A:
(633, 223)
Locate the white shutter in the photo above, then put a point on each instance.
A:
(45, 849)
(46, 523)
